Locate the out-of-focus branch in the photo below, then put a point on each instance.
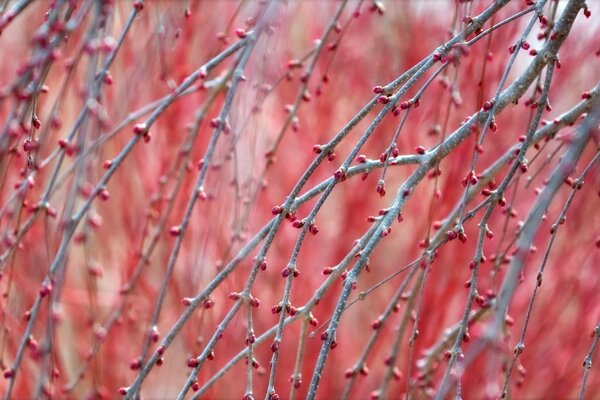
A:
(534, 218)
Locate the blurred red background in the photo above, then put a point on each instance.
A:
(150, 190)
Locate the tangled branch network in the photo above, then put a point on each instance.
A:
(299, 199)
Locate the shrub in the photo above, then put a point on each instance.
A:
(296, 199)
